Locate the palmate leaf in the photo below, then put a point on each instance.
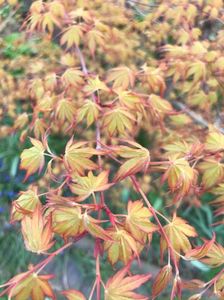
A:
(137, 219)
(33, 286)
(177, 148)
(89, 111)
(73, 295)
(67, 221)
(118, 121)
(219, 287)
(214, 141)
(201, 251)
(120, 287)
(77, 157)
(24, 205)
(212, 172)
(214, 256)
(94, 37)
(72, 36)
(32, 159)
(129, 99)
(95, 84)
(49, 21)
(159, 105)
(178, 232)
(180, 175)
(122, 246)
(162, 280)
(39, 128)
(138, 160)
(90, 184)
(91, 225)
(65, 111)
(37, 232)
(122, 77)
(72, 77)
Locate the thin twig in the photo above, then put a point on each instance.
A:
(195, 116)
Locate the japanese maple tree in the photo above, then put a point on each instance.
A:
(121, 68)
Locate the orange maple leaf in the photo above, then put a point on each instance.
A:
(90, 184)
(178, 232)
(72, 36)
(77, 157)
(120, 287)
(138, 159)
(137, 220)
(67, 221)
(73, 295)
(37, 232)
(122, 77)
(118, 121)
(25, 204)
(33, 286)
(32, 159)
(122, 247)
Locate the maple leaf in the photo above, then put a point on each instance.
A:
(219, 201)
(56, 8)
(72, 77)
(77, 157)
(95, 84)
(90, 184)
(177, 148)
(95, 230)
(65, 110)
(178, 232)
(73, 295)
(137, 219)
(198, 70)
(94, 37)
(180, 120)
(32, 159)
(25, 204)
(50, 81)
(180, 175)
(161, 281)
(120, 286)
(71, 36)
(122, 247)
(122, 77)
(39, 128)
(35, 21)
(212, 172)
(67, 221)
(201, 251)
(48, 21)
(33, 286)
(160, 106)
(37, 232)
(46, 103)
(21, 121)
(219, 287)
(89, 111)
(138, 160)
(214, 256)
(36, 7)
(81, 13)
(154, 78)
(129, 99)
(214, 141)
(118, 120)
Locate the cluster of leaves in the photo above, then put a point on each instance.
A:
(119, 68)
